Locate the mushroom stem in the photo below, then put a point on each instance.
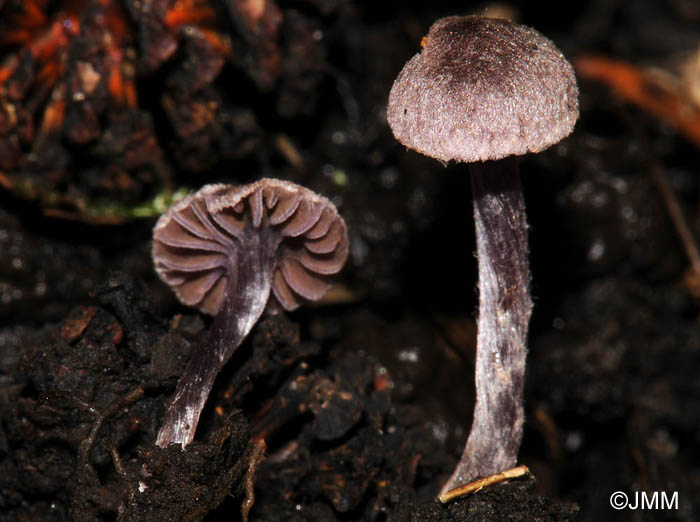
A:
(247, 293)
(504, 313)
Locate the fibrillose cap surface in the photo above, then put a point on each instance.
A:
(483, 89)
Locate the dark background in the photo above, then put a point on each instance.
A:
(612, 394)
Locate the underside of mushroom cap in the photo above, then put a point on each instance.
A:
(483, 89)
(199, 241)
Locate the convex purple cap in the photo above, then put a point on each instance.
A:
(483, 89)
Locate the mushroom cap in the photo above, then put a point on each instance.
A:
(483, 89)
(200, 240)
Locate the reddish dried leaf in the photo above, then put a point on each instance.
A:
(634, 86)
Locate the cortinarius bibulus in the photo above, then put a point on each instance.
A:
(481, 91)
(222, 250)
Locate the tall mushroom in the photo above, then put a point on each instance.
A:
(482, 91)
(222, 250)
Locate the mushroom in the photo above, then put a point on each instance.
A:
(222, 250)
(482, 91)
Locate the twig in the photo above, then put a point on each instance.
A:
(87, 444)
(477, 485)
(677, 217)
(255, 459)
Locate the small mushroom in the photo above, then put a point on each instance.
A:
(222, 250)
(482, 91)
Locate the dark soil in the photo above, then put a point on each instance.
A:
(363, 401)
